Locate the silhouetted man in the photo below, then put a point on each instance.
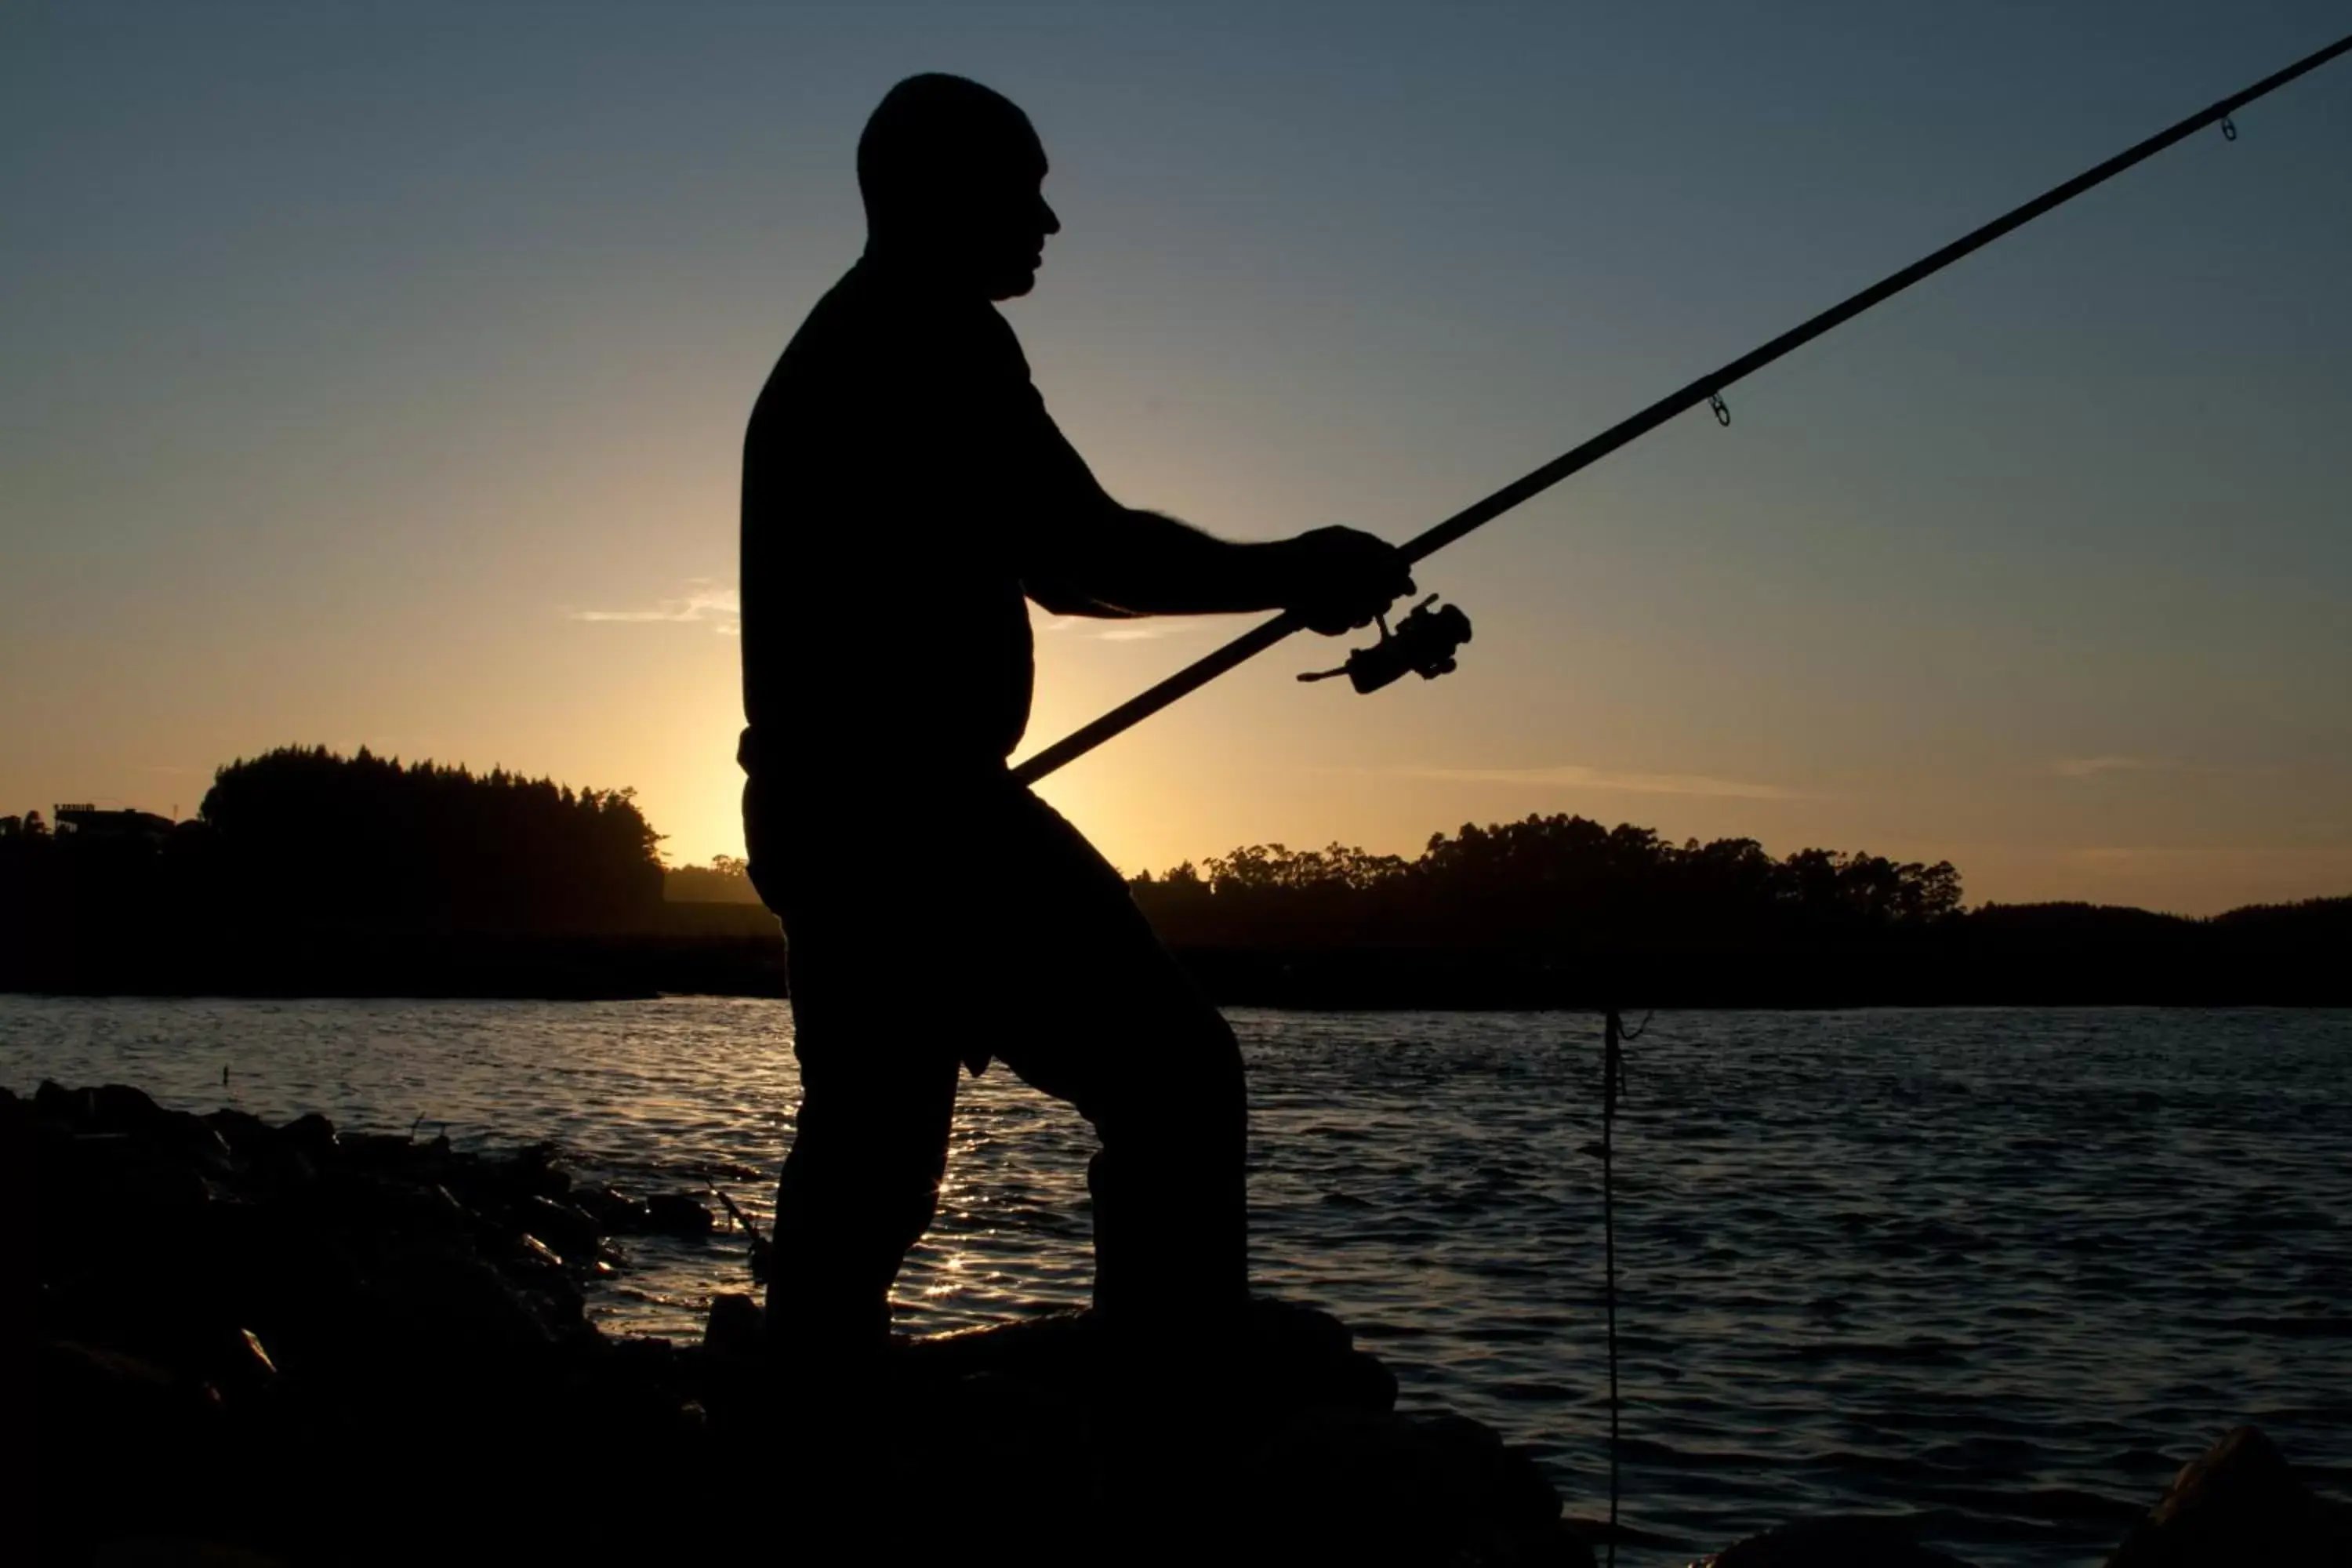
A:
(904, 492)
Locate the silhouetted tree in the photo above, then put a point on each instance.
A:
(725, 880)
(1548, 882)
(422, 844)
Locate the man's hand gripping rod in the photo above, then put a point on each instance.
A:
(1708, 389)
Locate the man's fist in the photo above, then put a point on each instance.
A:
(1335, 578)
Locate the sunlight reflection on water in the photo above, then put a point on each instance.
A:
(2005, 1269)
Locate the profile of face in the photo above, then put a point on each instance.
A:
(953, 177)
(1003, 228)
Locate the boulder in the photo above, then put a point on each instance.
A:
(534, 1171)
(569, 1232)
(676, 1214)
(1859, 1542)
(2239, 1502)
(246, 1133)
(310, 1135)
(1286, 1357)
(118, 1107)
(1337, 1485)
(359, 1315)
(614, 1212)
(736, 1327)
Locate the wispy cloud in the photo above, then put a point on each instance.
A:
(704, 600)
(2092, 767)
(1576, 776)
(1114, 631)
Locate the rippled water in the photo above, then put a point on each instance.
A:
(1999, 1270)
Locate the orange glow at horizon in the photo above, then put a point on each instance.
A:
(326, 421)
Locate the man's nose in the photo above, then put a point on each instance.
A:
(1053, 224)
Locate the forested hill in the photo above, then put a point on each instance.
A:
(425, 843)
(1562, 910)
(305, 872)
(1559, 881)
(308, 871)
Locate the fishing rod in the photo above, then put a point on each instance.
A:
(1421, 643)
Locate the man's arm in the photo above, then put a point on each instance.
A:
(1089, 555)
(1119, 562)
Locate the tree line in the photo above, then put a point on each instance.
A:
(303, 835)
(305, 870)
(427, 843)
(1559, 881)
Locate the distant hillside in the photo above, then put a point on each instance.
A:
(725, 880)
(313, 873)
(1561, 910)
(1562, 883)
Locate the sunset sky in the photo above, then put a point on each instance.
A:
(377, 375)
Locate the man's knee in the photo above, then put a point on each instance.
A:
(1188, 1088)
(1215, 1065)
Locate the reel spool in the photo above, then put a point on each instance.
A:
(1423, 643)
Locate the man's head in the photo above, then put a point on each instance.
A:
(952, 174)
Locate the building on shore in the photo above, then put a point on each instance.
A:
(86, 821)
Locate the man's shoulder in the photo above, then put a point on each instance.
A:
(865, 340)
(843, 323)
(873, 317)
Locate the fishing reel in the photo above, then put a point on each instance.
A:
(1424, 643)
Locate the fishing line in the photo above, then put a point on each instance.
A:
(1708, 389)
(1613, 1038)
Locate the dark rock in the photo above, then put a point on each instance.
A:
(736, 1327)
(385, 1203)
(376, 1151)
(105, 1416)
(292, 1282)
(1834, 1543)
(536, 1267)
(118, 1107)
(1053, 1348)
(1003, 1431)
(312, 1136)
(1286, 1356)
(537, 1255)
(560, 1225)
(192, 1139)
(450, 1299)
(615, 1213)
(246, 1135)
(2238, 1502)
(1289, 1328)
(360, 1316)
(534, 1171)
(241, 1368)
(1297, 1355)
(126, 1180)
(254, 1355)
(1351, 1485)
(676, 1214)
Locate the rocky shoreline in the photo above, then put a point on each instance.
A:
(263, 1344)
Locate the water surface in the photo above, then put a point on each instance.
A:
(2000, 1270)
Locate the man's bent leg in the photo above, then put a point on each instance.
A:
(1116, 1027)
(1170, 1183)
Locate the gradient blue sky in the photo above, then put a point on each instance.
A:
(377, 375)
